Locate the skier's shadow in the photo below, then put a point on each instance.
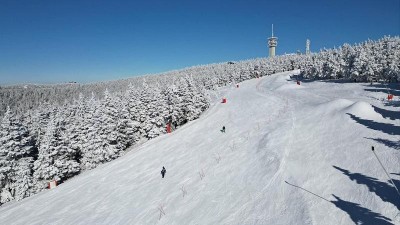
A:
(357, 213)
(384, 190)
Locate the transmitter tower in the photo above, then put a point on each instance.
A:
(272, 43)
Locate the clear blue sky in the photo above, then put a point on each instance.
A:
(86, 41)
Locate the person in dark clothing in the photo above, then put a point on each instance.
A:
(223, 129)
(163, 171)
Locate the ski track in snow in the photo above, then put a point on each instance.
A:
(262, 143)
(276, 132)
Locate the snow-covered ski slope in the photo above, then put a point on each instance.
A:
(291, 155)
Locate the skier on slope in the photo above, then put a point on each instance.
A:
(223, 129)
(163, 171)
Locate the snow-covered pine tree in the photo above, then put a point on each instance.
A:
(358, 64)
(195, 101)
(335, 64)
(92, 152)
(16, 159)
(56, 160)
(152, 111)
(175, 106)
(38, 120)
(348, 55)
(104, 139)
(394, 65)
(24, 182)
(389, 68)
(130, 115)
(114, 140)
(75, 128)
(159, 113)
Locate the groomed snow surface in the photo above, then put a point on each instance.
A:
(291, 154)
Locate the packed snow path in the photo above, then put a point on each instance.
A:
(291, 154)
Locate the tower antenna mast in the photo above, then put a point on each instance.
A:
(272, 30)
(308, 47)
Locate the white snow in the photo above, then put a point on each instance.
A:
(364, 110)
(279, 135)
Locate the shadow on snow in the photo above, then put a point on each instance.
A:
(308, 80)
(387, 114)
(391, 144)
(392, 88)
(384, 127)
(383, 90)
(384, 190)
(340, 81)
(357, 213)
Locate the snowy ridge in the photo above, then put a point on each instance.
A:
(289, 156)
